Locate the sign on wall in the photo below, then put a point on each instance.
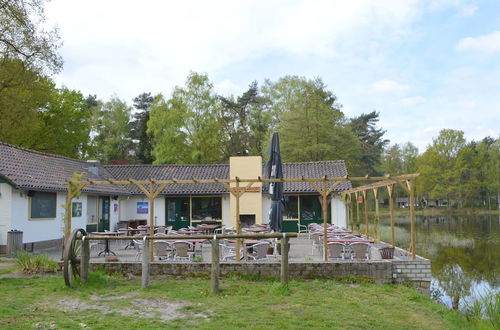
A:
(142, 207)
(76, 209)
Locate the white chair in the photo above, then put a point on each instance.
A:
(227, 252)
(303, 229)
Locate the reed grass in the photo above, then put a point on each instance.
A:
(30, 263)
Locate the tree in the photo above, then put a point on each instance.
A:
(139, 126)
(311, 125)
(438, 166)
(392, 160)
(246, 121)
(65, 125)
(112, 142)
(409, 153)
(371, 139)
(22, 36)
(22, 94)
(189, 120)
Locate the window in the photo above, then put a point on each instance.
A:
(291, 207)
(309, 208)
(206, 208)
(43, 205)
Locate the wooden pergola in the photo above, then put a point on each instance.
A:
(389, 182)
(237, 187)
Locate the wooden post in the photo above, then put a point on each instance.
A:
(84, 262)
(238, 221)
(151, 219)
(67, 215)
(145, 262)
(284, 259)
(390, 191)
(412, 218)
(358, 219)
(215, 265)
(351, 219)
(365, 201)
(324, 206)
(377, 216)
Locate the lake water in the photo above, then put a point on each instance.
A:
(464, 250)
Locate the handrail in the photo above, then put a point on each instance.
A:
(205, 236)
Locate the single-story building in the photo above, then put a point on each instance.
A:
(33, 191)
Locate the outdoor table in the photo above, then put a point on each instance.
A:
(208, 228)
(351, 240)
(248, 241)
(256, 229)
(106, 250)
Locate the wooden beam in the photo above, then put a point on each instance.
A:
(390, 191)
(139, 184)
(194, 180)
(377, 216)
(324, 207)
(365, 201)
(151, 218)
(412, 219)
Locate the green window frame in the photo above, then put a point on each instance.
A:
(206, 208)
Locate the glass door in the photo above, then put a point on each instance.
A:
(104, 202)
(178, 212)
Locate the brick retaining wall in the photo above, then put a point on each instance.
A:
(396, 271)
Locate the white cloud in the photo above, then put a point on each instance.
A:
(119, 46)
(489, 43)
(408, 102)
(389, 86)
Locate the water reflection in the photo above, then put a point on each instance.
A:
(464, 250)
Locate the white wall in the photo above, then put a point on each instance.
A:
(266, 207)
(226, 211)
(36, 230)
(5, 211)
(128, 209)
(339, 211)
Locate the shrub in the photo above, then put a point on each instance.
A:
(35, 263)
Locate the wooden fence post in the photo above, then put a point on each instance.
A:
(284, 260)
(145, 263)
(215, 265)
(84, 262)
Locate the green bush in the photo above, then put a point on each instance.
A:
(30, 263)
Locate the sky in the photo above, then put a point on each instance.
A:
(424, 65)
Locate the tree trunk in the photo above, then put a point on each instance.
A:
(455, 301)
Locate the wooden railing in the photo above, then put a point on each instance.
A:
(215, 269)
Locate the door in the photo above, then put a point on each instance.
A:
(104, 202)
(310, 210)
(178, 212)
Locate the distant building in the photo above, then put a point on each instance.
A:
(33, 191)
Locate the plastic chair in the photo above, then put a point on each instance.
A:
(336, 250)
(182, 250)
(259, 250)
(360, 251)
(162, 250)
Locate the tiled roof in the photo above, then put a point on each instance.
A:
(221, 171)
(332, 169)
(33, 170)
(181, 172)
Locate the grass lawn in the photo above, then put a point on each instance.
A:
(118, 303)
